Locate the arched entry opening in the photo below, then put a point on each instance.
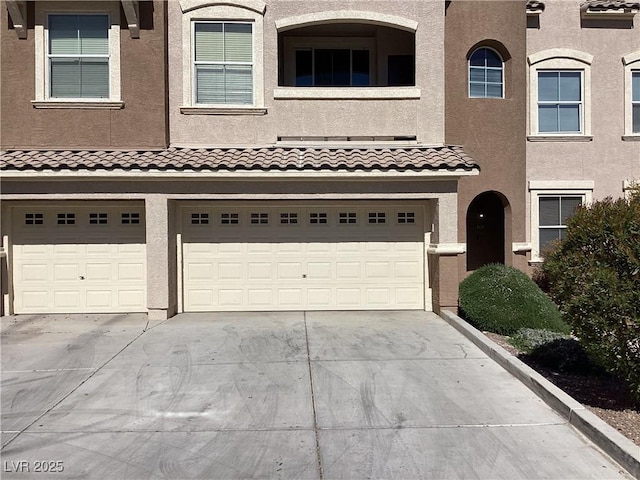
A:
(485, 230)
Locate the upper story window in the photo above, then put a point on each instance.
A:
(559, 101)
(486, 74)
(222, 57)
(223, 63)
(560, 95)
(334, 67)
(77, 55)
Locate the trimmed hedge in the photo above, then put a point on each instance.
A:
(502, 299)
(594, 276)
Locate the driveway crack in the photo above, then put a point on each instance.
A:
(316, 429)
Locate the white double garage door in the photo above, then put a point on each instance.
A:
(231, 257)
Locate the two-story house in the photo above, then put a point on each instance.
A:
(241, 155)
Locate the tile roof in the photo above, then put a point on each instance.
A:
(600, 5)
(535, 5)
(277, 158)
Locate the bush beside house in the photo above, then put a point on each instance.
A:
(594, 277)
(502, 299)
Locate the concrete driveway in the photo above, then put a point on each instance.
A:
(272, 395)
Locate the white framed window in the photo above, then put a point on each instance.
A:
(631, 96)
(560, 95)
(486, 74)
(560, 101)
(223, 63)
(552, 204)
(77, 49)
(78, 56)
(222, 57)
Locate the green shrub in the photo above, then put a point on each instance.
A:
(594, 277)
(528, 339)
(565, 355)
(501, 299)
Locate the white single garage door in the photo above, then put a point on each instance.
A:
(325, 257)
(79, 259)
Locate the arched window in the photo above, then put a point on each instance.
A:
(486, 74)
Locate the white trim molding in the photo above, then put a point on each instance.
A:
(521, 247)
(560, 53)
(257, 6)
(631, 64)
(345, 93)
(446, 248)
(346, 16)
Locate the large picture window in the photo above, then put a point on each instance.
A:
(559, 101)
(223, 63)
(78, 56)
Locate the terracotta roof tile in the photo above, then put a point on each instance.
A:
(600, 5)
(229, 159)
(535, 5)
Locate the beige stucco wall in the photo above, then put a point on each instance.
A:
(607, 160)
(422, 117)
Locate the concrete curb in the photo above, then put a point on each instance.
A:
(616, 445)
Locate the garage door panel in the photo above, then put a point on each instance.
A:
(303, 265)
(66, 272)
(260, 271)
(99, 299)
(77, 267)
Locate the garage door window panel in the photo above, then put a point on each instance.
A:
(288, 218)
(349, 218)
(130, 218)
(259, 219)
(406, 217)
(98, 219)
(200, 218)
(66, 219)
(317, 218)
(33, 219)
(229, 219)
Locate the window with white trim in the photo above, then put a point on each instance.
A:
(560, 95)
(78, 56)
(560, 101)
(553, 213)
(222, 57)
(552, 204)
(223, 63)
(486, 74)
